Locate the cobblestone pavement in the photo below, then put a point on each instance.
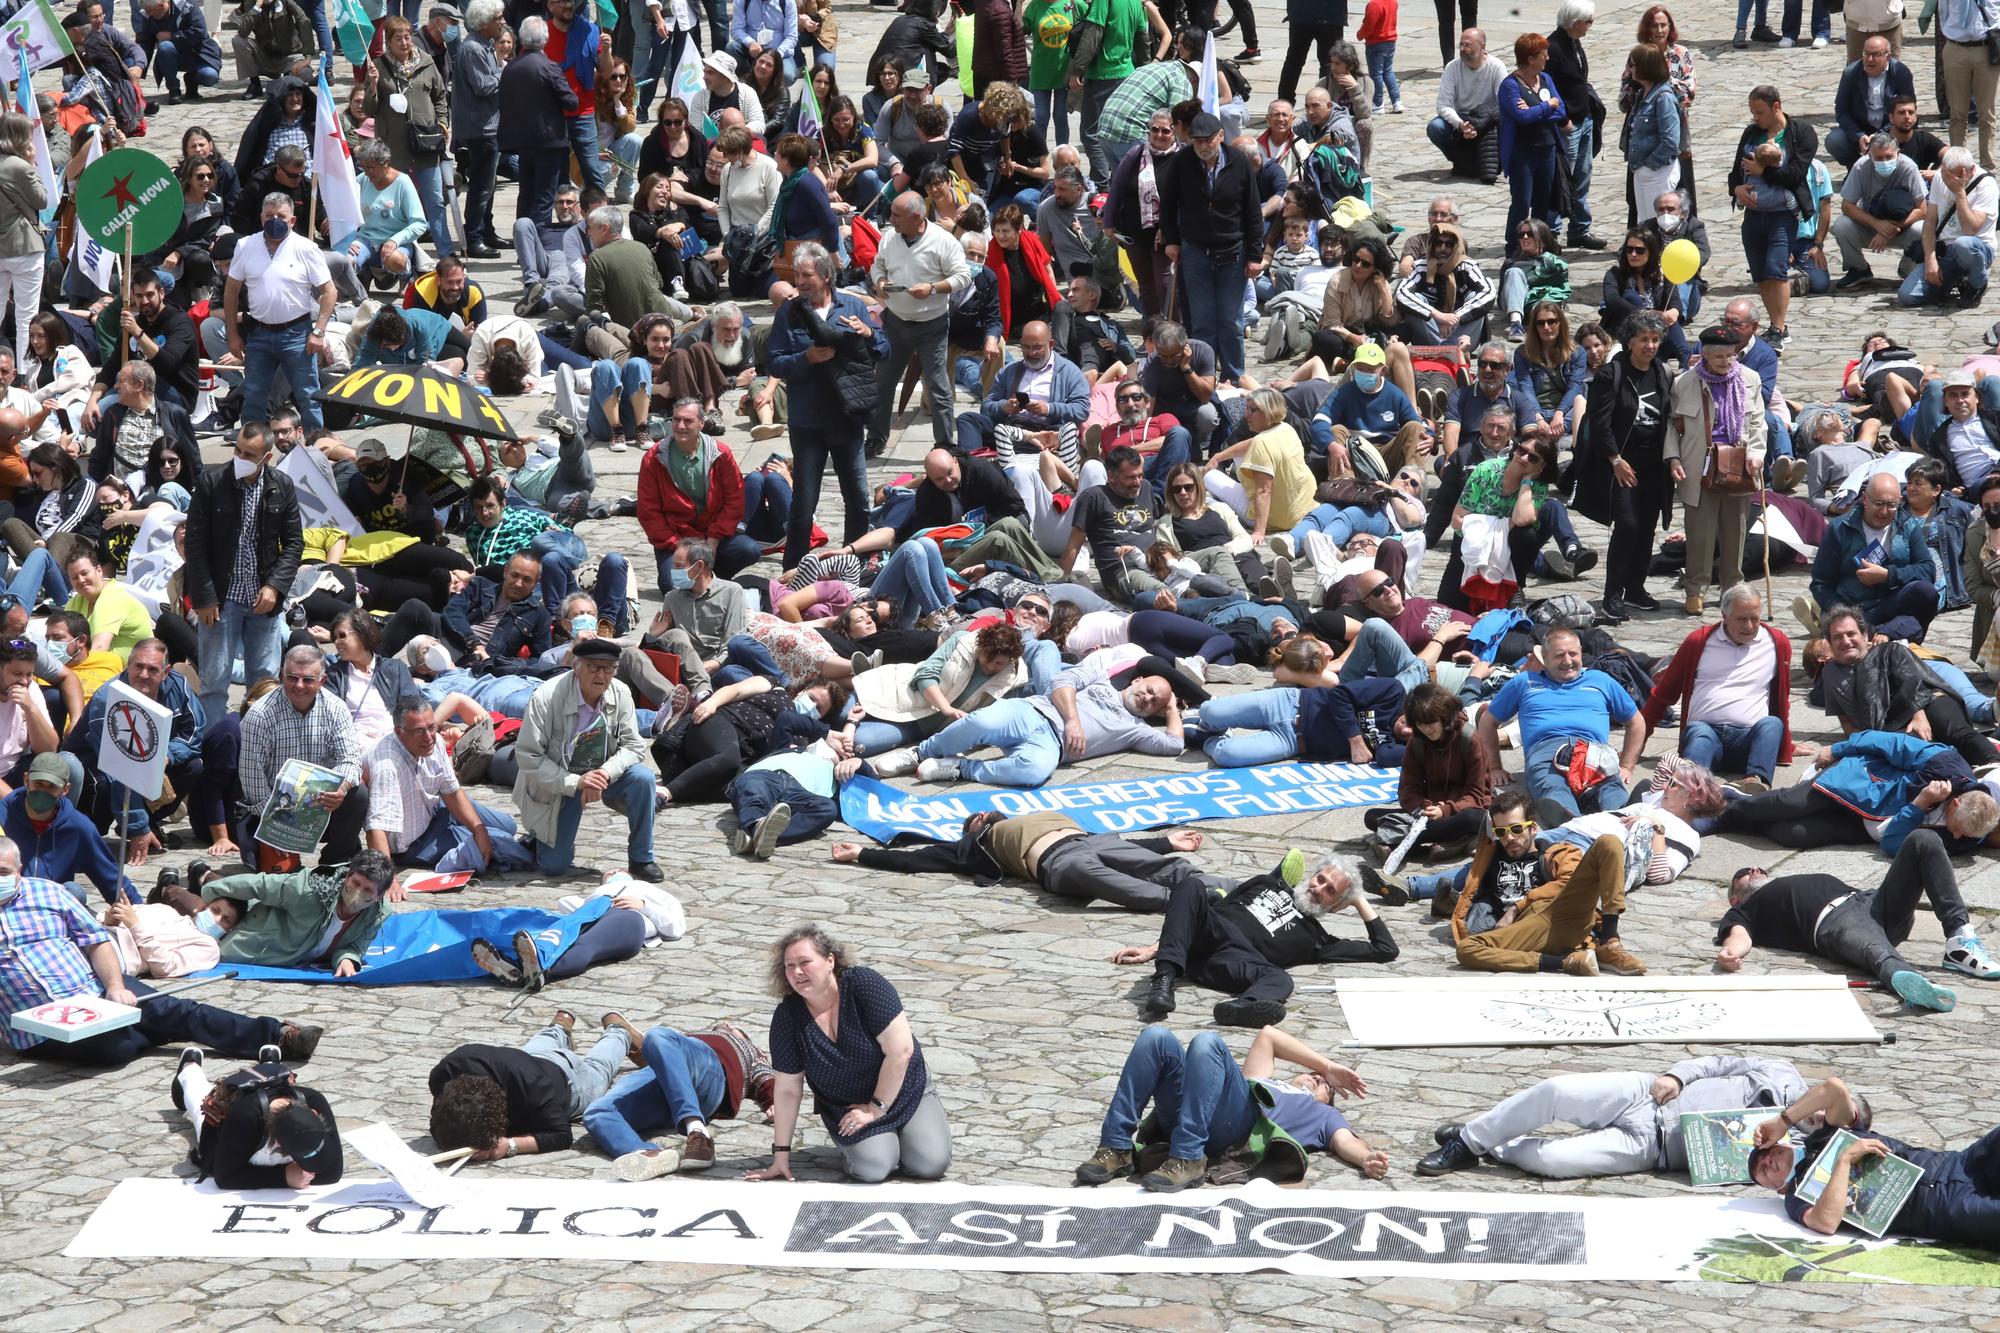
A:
(1021, 1017)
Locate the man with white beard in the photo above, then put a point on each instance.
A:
(1243, 943)
(739, 349)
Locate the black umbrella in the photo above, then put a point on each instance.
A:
(420, 396)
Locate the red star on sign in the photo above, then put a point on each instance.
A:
(121, 191)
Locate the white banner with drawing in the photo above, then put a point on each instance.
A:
(1004, 1228)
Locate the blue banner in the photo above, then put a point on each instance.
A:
(419, 946)
(1124, 804)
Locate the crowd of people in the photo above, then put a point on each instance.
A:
(1116, 516)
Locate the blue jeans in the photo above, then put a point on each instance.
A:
(167, 64)
(1720, 747)
(267, 350)
(1382, 73)
(1425, 887)
(39, 576)
(632, 794)
(916, 579)
(744, 657)
(756, 791)
(447, 845)
(429, 180)
(610, 380)
(1531, 183)
(1052, 102)
(1962, 263)
(1743, 13)
(1577, 149)
(874, 736)
(1176, 447)
(1767, 243)
(583, 143)
(625, 180)
(682, 1082)
(1031, 751)
(1270, 717)
(589, 1075)
(1199, 1096)
(1214, 286)
(235, 633)
(1379, 651)
(1539, 773)
(1339, 523)
(966, 371)
(560, 552)
(1044, 662)
(767, 503)
(1978, 707)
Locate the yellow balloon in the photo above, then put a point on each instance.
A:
(1680, 260)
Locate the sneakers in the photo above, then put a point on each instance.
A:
(699, 1152)
(1242, 673)
(530, 303)
(1819, 43)
(895, 763)
(1395, 108)
(1281, 545)
(298, 1041)
(1393, 890)
(618, 444)
(1918, 992)
(1642, 601)
(769, 829)
(1160, 995)
(1293, 868)
(646, 1164)
(486, 956)
(1615, 958)
(938, 770)
(1515, 332)
(1242, 1013)
(1787, 43)
(1105, 1165)
(1453, 1154)
(1175, 1175)
(1854, 277)
(1249, 55)
(1581, 561)
(1777, 338)
(1968, 954)
(861, 661)
(1742, 39)
(531, 961)
(1806, 611)
(1752, 784)
(1580, 963)
(1787, 473)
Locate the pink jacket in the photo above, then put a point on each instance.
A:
(165, 944)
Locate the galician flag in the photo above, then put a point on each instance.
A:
(812, 125)
(43, 168)
(1206, 89)
(333, 170)
(687, 81)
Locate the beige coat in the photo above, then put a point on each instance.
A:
(1687, 429)
(889, 693)
(542, 749)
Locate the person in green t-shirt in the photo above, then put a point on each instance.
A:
(1048, 24)
(1099, 60)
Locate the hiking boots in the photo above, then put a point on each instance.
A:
(1106, 1164)
(1615, 958)
(298, 1041)
(1175, 1175)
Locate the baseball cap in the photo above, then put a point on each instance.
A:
(917, 77)
(301, 1134)
(49, 768)
(1960, 379)
(1370, 354)
(371, 450)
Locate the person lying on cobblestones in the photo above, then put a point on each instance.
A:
(685, 1081)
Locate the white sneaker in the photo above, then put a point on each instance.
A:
(938, 770)
(1280, 544)
(1818, 42)
(895, 763)
(1786, 43)
(1966, 954)
(646, 1164)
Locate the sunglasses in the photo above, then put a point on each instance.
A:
(1378, 589)
(1033, 609)
(674, 124)
(1635, 250)
(1131, 397)
(1492, 365)
(1509, 830)
(1181, 487)
(1547, 323)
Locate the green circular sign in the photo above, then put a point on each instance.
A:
(128, 188)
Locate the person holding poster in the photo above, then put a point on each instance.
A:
(301, 721)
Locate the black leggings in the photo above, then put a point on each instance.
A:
(612, 938)
(1468, 14)
(172, 629)
(1172, 635)
(412, 619)
(1801, 816)
(711, 755)
(422, 572)
(1951, 726)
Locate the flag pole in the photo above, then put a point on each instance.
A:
(125, 300)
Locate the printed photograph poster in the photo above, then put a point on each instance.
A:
(1876, 1188)
(1719, 1143)
(293, 819)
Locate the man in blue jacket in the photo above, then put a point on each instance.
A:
(1886, 784)
(175, 35)
(57, 841)
(1868, 88)
(492, 620)
(824, 346)
(1880, 561)
(577, 46)
(1040, 401)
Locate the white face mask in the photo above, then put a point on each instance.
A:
(1670, 223)
(245, 469)
(9, 886)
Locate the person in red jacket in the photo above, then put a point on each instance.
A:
(690, 486)
(1027, 277)
(1734, 690)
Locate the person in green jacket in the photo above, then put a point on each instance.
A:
(325, 915)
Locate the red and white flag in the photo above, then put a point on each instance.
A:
(333, 170)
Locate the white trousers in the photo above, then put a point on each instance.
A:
(1616, 1112)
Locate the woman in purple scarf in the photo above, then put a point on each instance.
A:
(1714, 402)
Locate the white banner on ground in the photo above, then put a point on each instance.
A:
(414, 1174)
(1009, 1229)
(320, 505)
(1515, 1010)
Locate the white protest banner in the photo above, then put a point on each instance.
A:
(1515, 1010)
(320, 505)
(416, 1175)
(1012, 1229)
(152, 561)
(133, 748)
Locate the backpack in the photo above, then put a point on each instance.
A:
(265, 1082)
(1331, 173)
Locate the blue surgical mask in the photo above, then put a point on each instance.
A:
(453, 33)
(206, 923)
(275, 229)
(1367, 381)
(1885, 168)
(581, 625)
(804, 704)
